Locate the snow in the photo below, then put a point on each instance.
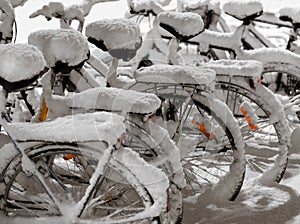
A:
(115, 33)
(266, 55)
(65, 45)
(185, 23)
(195, 4)
(7, 19)
(176, 74)
(242, 8)
(20, 61)
(293, 13)
(114, 99)
(98, 126)
(240, 68)
(147, 6)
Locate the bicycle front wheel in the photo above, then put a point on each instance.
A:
(120, 195)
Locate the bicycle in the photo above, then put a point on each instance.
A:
(236, 143)
(280, 66)
(236, 83)
(37, 180)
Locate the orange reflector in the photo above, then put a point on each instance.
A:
(43, 111)
(68, 156)
(248, 119)
(202, 128)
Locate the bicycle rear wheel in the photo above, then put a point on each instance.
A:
(119, 196)
(263, 125)
(209, 162)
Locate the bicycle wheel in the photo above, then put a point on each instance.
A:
(282, 78)
(209, 162)
(121, 195)
(263, 125)
(154, 145)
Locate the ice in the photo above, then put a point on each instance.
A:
(115, 33)
(115, 99)
(20, 62)
(65, 45)
(242, 8)
(186, 24)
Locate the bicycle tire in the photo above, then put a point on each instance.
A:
(290, 72)
(226, 187)
(267, 144)
(23, 195)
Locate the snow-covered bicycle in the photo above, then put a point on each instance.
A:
(103, 182)
(228, 137)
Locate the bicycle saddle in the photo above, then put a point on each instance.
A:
(176, 74)
(245, 10)
(290, 15)
(120, 37)
(182, 25)
(145, 7)
(97, 126)
(236, 68)
(63, 49)
(20, 66)
(114, 99)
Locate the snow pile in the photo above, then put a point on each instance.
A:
(20, 62)
(115, 99)
(65, 45)
(241, 9)
(98, 126)
(292, 13)
(184, 23)
(146, 6)
(195, 4)
(115, 33)
(176, 74)
(240, 68)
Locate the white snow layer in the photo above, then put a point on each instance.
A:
(240, 68)
(65, 45)
(98, 126)
(20, 61)
(115, 33)
(185, 23)
(293, 13)
(194, 4)
(242, 8)
(115, 99)
(176, 74)
(147, 5)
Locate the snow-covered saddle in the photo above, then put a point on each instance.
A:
(97, 126)
(290, 14)
(120, 37)
(114, 99)
(63, 49)
(183, 25)
(145, 7)
(20, 66)
(176, 74)
(245, 10)
(236, 68)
